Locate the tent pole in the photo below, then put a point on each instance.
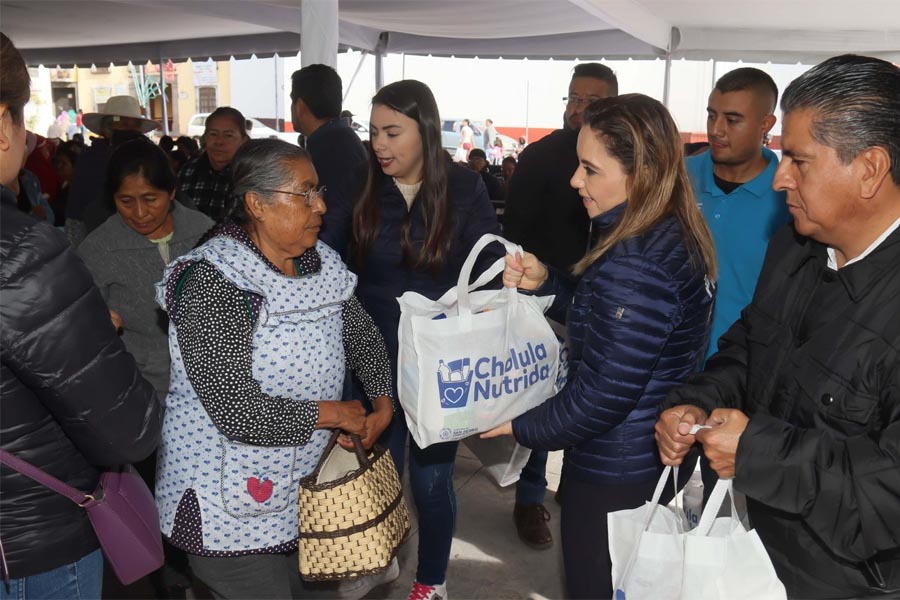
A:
(279, 93)
(667, 79)
(674, 39)
(162, 93)
(362, 58)
(527, 94)
(379, 71)
(379, 60)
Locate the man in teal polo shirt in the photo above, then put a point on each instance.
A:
(733, 185)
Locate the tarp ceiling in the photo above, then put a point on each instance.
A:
(52, 32)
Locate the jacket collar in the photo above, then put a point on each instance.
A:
(858, 278)
(204, 164)
(326, 127)
(6, 195)
(604, 222)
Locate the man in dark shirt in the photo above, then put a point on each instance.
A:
(546, 216)
(543, 212)
(337, 152)
(119, 120)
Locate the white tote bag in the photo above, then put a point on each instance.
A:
(473, 360)
(653, 557)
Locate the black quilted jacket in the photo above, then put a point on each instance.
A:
(71, 397)
(815, 362)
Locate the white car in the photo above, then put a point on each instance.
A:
(258, 129)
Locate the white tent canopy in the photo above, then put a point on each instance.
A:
(62, 32)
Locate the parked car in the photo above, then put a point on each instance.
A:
(450, 136)
(258, 129)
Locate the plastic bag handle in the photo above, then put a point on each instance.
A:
(654, 504)
(464, 306)
(711, 510)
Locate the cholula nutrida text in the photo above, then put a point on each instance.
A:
(495, 377)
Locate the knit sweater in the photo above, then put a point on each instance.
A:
(126, 266)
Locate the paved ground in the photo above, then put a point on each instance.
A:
(487, 560)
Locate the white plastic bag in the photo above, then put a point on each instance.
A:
(646, 548)
(724, 560)
(502, 457)
(653, 558)
(473, 360)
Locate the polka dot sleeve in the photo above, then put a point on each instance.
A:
(365, 350)
(215, 332)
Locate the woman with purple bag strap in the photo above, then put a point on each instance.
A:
(71, 397)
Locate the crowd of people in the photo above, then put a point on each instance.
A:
(210, 314)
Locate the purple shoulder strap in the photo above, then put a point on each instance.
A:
(42, 477)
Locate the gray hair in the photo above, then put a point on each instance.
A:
(261, 165)
(856, 100)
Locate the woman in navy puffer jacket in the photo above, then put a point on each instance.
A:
(638, 320)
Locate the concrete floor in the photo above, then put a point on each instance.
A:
(487, 559)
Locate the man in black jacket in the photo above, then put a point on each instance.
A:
(803, 398)
(547, 217)
(543, 212)
(337, 152)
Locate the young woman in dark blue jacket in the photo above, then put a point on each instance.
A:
(638, 320)
(413, 227)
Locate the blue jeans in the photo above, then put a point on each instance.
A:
(532, 484)
(82, 579)
(431, 479)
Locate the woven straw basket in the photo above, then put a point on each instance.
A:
(352, 514)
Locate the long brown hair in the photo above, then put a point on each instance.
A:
(639, 132)
(415, 100)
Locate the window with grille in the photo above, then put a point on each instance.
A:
(206, 99)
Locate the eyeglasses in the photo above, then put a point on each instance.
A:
(309, 196)
(577, 101)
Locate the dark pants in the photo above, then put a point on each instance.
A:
(532, 484)
(251, 575)
(431, 480)
(585, 534)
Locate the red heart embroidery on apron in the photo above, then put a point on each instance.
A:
(259, 491)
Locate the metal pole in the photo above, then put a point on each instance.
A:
(279, 93)
(667, 79)
(527, 94)
(362, 58)
(379, 60)
(162, 92)
(379, 71)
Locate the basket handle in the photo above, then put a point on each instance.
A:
(361, 455)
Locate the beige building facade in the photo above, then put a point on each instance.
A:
(191, 87)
